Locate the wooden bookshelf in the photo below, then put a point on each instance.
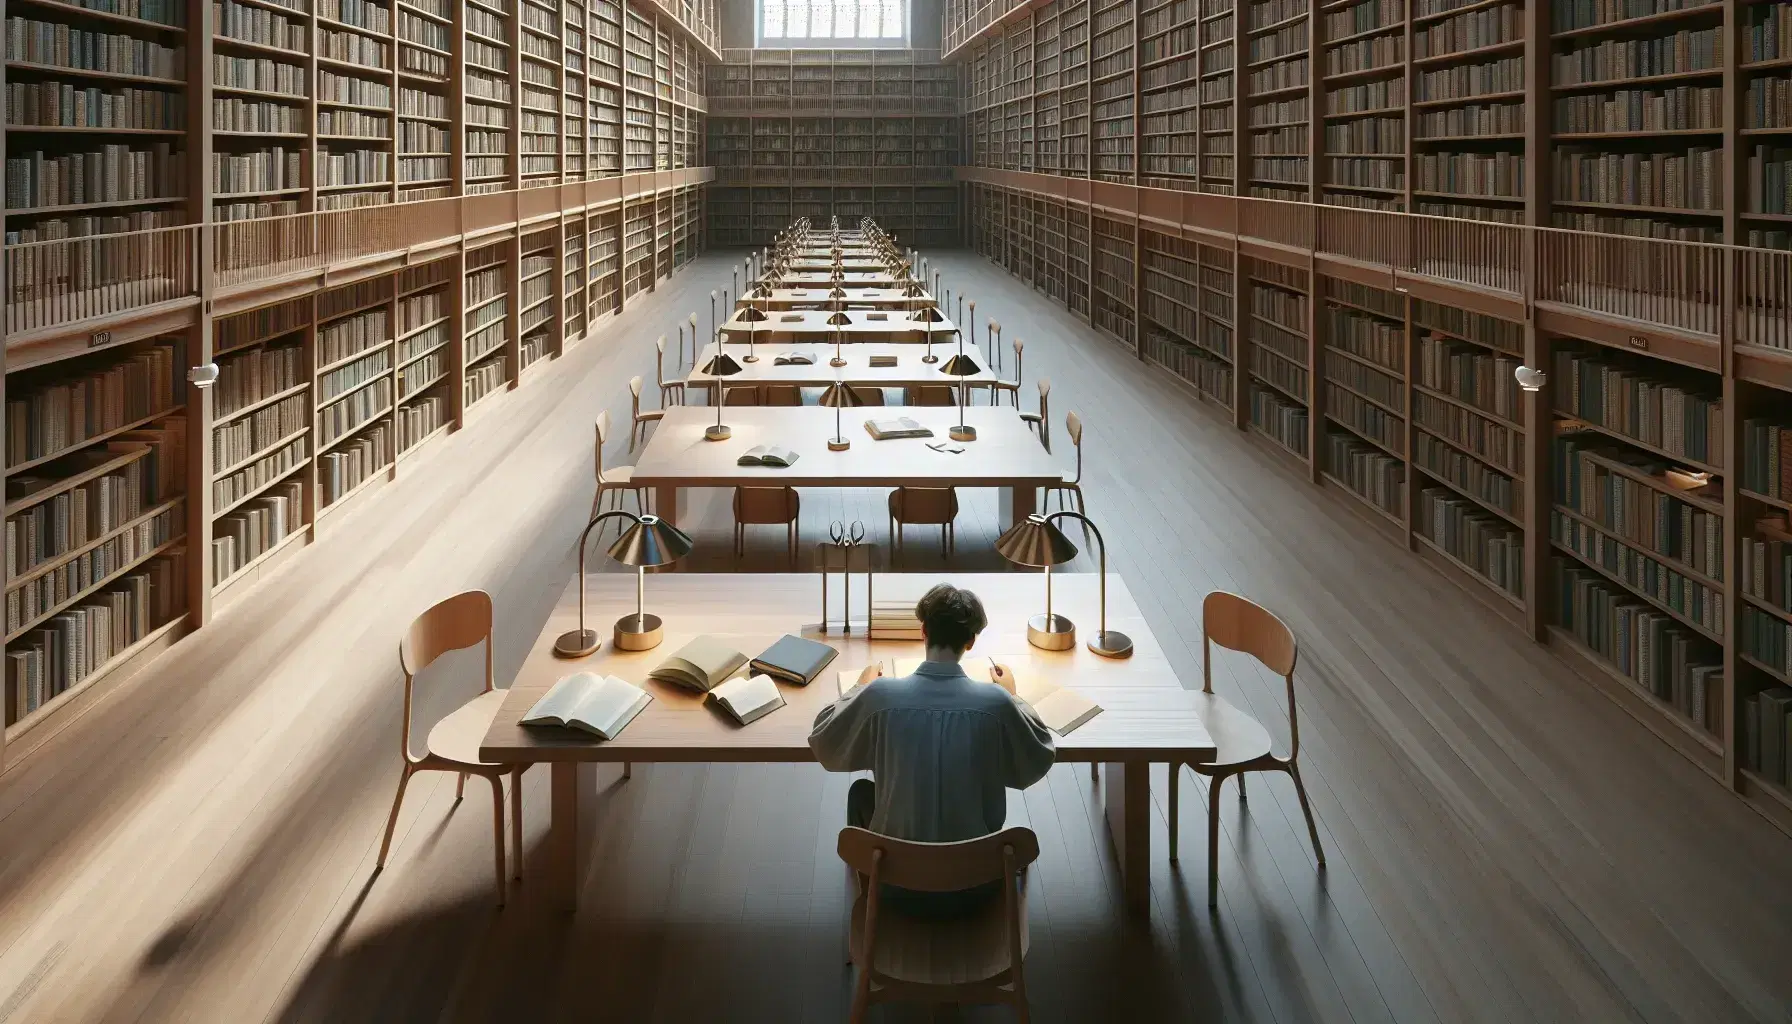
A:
(825, 133)
(1641, 501)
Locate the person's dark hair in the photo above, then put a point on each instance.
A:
(950, 617)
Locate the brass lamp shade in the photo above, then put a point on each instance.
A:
(652, 541)
(836, 292)
(723, 365)
(839, 319)
(1035, 542)
(929, 315)
(961, 365)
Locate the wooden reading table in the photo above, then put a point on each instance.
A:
(812, 297)
(825, 278)
(1006, 455)
(1147, 716)
(812, 325)
(909, 372)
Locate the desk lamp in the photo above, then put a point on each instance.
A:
(723, 365)
(647, 541)
(961, 366)
(840, 395)
(929, 316)
(715, 330)
(752, 317)
(1036, 541)
(838, 321)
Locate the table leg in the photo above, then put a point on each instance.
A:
(565, 835)
(1017, 503)
(1127, 799)
(665, 503)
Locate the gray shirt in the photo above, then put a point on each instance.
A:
(943, 748)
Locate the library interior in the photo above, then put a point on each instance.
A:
(1041, 510)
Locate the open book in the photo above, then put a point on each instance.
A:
(701, 665)
(896, 669)
(901, 426)
(599, 705)
(1062, 709)
(748, 699)
(793, 359)
(767, 455)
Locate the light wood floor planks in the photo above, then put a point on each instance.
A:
(1505, 844)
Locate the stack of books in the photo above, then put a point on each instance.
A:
(894, 619)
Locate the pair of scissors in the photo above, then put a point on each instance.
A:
(847, 536)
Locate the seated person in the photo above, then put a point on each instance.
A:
(943, 747)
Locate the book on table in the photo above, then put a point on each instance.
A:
(793, 359)
(850, 678)
(768, 455)
(795, 659)
(600, 705)
(1062, 709)
(700, 665)
(894, 619)
(748, 699)
(884, 361)
(897, 427)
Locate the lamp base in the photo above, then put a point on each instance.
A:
(577, 643)
(930, 358)
(839, 444)
(1051, 632)
(749, 359)
(962, 432)
(639, 632)
(1112, 644)
(836, 361)
(718, 432)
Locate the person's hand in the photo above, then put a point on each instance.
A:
(1002, 676)
(870, 672)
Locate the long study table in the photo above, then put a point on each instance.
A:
(1147, 717)
(1007, 454)
(908, 373)
(812, 325)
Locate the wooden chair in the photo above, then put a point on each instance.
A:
(1011, 388)
(1040, 421)
(936, 395)
(781, 394)
(462, 621)
(924, 506)
(868, 395)
(742, 394)
(671, 391)
(1239, 624)
(765, 506)
(1072, 488)
(642, 420)
(613, 481)
(971, 959)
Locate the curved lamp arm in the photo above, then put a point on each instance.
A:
(1103, 545)
(585, 537)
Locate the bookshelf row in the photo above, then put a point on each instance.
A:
(1621, 126)
(1635, 511)
(335, 104)
(917, 215)
(110, 538)
(893, 162)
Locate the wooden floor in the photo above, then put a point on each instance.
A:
(1504, 844)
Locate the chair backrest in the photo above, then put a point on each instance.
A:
(603, 434)
(1073, 425)
(935, 395)
(938, 867)
(743, 395)
(454, 624)
(659, 360)
(868, 395)
(1240, 624)
(924, 505)
(782, 394)
(766, 505)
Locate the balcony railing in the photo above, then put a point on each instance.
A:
(1679, 285)
(64, 281)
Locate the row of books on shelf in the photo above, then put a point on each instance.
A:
(31, 599)
(72, 645)
(1604, 483)
(1694, 601)
(56, 519)
(111, 174)
(1681, 419)
(1767, 462)
(1369, 472)
(1640, 642)
(256, 528)
(1766, 728)
(66, 105)
(1488, 545)
(65, 46)
(49, 416)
